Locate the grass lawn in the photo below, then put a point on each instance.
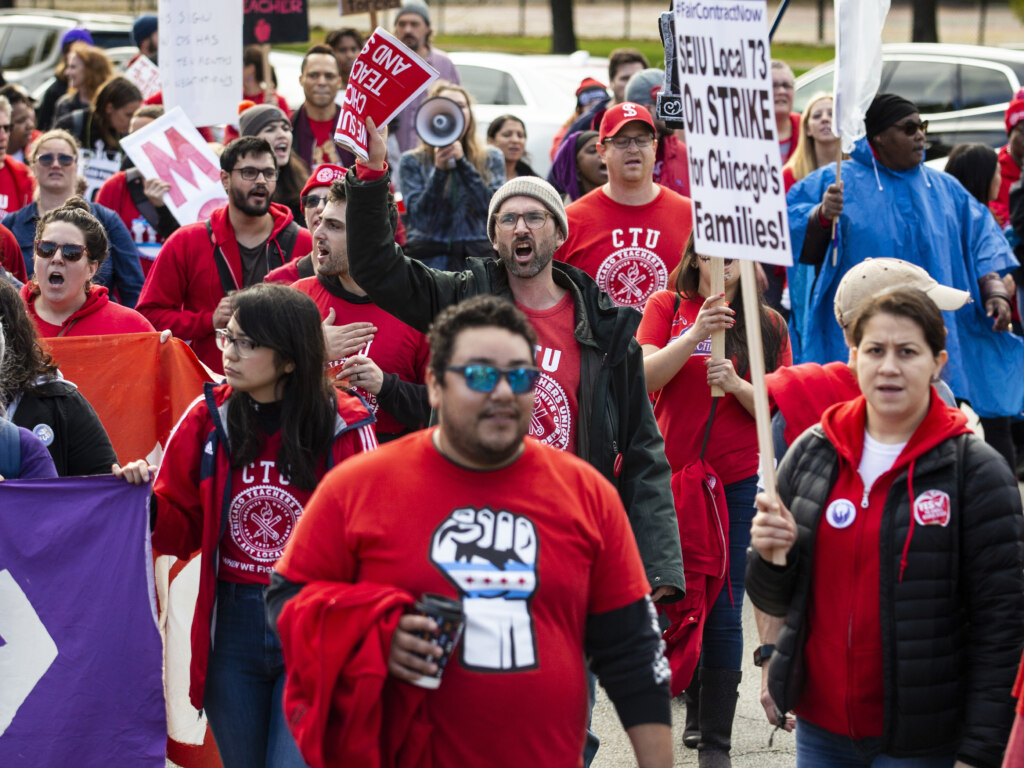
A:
(800, 57)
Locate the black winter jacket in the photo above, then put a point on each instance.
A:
(952, 630)
(615, 415)
(57, 413)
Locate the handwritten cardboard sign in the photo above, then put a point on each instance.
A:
(201, 59)
(145, 75)
(739, 200)
(171, 149)
(275, 21)
(346, 7)
(385, 77)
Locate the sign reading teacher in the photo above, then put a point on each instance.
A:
(739, 200)
(385, 77)
(172, 150)
(275, 21)
(201, 59)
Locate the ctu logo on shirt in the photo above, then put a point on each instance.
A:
(649, 240)
(841, 513)
(548, 358)
(932, 508)
(248, 475)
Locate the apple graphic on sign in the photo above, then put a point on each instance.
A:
(262, 31)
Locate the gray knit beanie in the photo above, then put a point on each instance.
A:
(529, 186)
(413, 6)
(256, 118)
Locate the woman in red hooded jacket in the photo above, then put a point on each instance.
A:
(900, 608)
(238, 470)
(61, 299)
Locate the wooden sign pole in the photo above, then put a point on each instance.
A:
(268, 78)
(755, 351)
(717, 337)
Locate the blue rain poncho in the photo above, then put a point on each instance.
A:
(927, 218)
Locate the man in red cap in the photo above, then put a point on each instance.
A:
(628, 234)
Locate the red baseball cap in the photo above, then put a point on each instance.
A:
(615, 118)
(323, 176)
(1015, 112)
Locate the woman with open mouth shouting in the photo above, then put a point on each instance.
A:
(271, 123)
(61, 299)
(55, 166)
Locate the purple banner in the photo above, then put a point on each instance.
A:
(80, 655)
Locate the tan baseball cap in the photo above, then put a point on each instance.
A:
(873, 276)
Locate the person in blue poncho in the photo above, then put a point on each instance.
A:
(890, 204)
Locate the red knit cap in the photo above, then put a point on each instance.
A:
(1015, 112)
(323, 176)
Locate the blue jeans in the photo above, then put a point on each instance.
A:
(245, 684)
(723, 631)
(818, 748)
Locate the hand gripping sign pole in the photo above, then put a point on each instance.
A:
(739, 204)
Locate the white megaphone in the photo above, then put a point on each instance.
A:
(439, 122)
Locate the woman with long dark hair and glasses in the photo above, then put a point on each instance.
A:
(238, 470)
(675, 337)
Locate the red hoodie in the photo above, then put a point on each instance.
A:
(844, 692)
(1010, 172)
(183, 288)
(16, 185)
(10, 254)
(338, 696)
(97, 317)
(803, 392)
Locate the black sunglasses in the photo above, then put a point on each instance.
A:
(312, 201)
(910, 128)
(71, 252)
(49, 159)
(484, 378)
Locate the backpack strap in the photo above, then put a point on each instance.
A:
(137, 192)
(10, 450)
(305, 266)
(227, 280)
(284, 245)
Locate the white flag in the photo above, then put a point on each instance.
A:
(858, 65)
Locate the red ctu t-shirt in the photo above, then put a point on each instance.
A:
(261, 517)
(555, 400)
(396, 347)
(324, 150)
(683, 405)
(527, 565)
(629, 250)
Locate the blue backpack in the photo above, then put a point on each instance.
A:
(10, 450)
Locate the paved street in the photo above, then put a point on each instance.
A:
(750, 732)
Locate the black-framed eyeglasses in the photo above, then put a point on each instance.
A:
(70, 252)
(623, 142)
(910, 128)
(251, 174)
(50, 158)
(484, 378)
(533, 219)
(243, 347)
(312, 201)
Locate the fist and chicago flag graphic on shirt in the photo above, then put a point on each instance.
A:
(491, 559)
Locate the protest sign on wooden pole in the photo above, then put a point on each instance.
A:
(717, 337)
(739, 202)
